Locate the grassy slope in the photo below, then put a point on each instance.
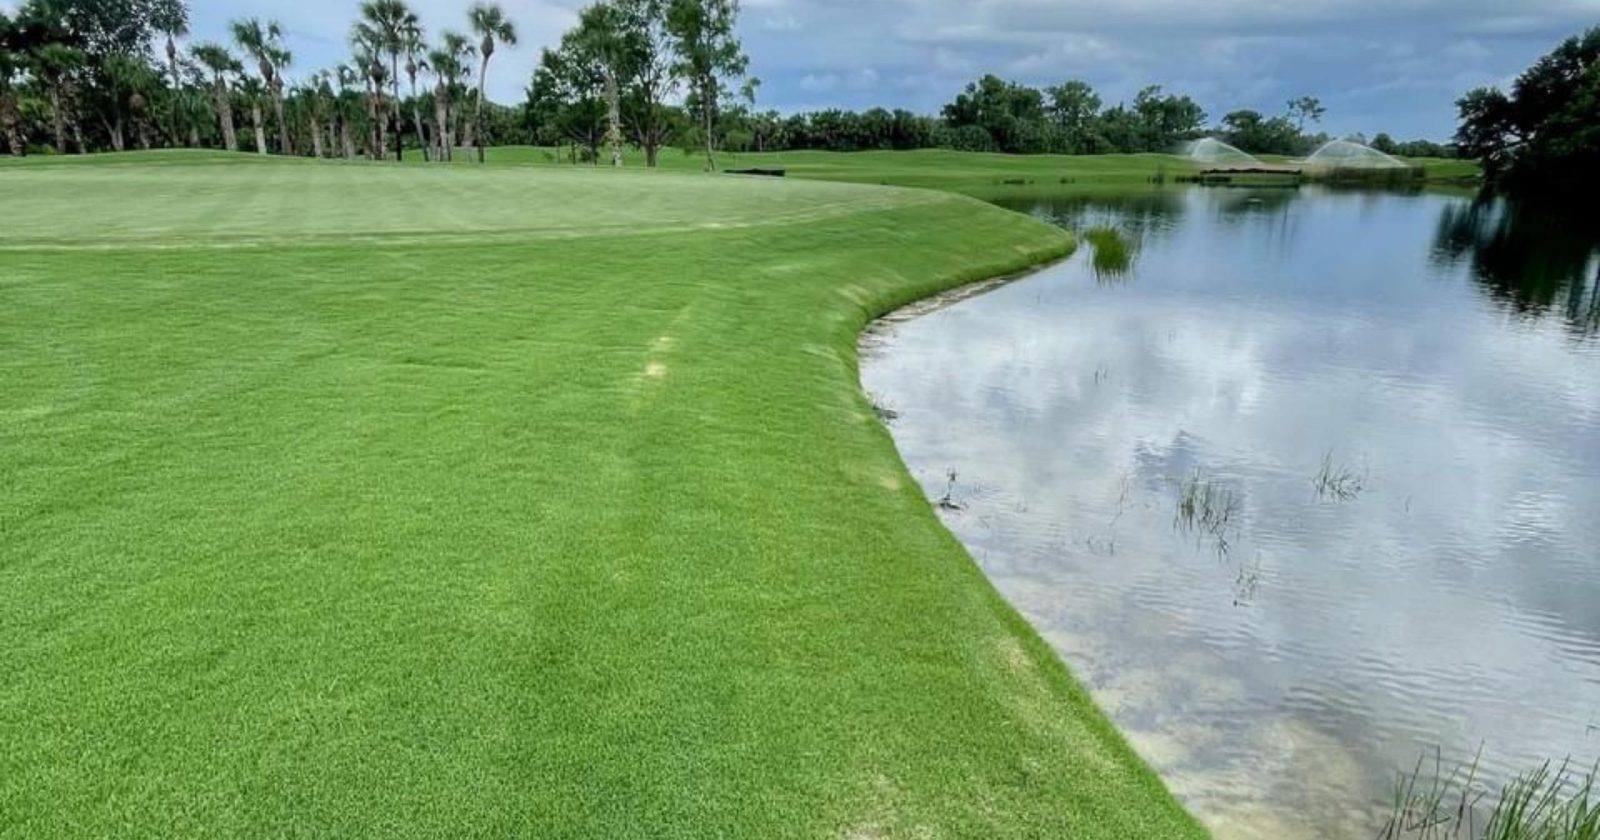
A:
(556, 534)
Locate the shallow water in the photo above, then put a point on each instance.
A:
(1285, 645)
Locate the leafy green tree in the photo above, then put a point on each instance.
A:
(1165, 121)
(1008, 113)
(1252, 132)
(709, 56)
(489, 22)
(567, 97)
(1072, 108)
(1546, 132)
(606, 44)
(644, 101)
(1306, 108)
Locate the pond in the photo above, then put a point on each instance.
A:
(1302, 484)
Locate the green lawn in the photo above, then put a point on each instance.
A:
(972, 173)
(350, 500)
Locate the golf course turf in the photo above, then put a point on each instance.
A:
(349, 500)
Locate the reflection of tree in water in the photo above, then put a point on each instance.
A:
(1533, 260)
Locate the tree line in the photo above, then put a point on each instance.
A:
(605, 84)
(87, 75)
(84, 75)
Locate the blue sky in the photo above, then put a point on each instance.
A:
(1378, 65)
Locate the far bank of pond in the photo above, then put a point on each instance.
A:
(1302, 484)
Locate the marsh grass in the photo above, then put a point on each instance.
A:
(1553, 802)
(1113, 252)
(1340, 482)
(1207, 509)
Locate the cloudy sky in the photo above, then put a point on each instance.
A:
(1379, 65)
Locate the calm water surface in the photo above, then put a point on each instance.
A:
(1283, 646)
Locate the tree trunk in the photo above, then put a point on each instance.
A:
(476, 128)
(416, 119)
(8, 122)
(382, 126)
(115, 130)
(144, 134)
(707, 105)
(316, 138)
(177, 85)
(194, 136)
(225, 114)
(58, 120)
(261, 134)
(441, 115)
(394, 108)
(345, 139)
(284, 146)
(614, 120)
(652, 153)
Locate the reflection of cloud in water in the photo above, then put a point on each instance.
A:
(1455, 600)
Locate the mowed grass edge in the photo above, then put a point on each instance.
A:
(570, 537)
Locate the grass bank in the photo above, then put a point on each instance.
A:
(353, 501)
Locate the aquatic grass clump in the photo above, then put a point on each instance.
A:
(1207, 509)
(1113, 251)
(1553, 802)
(1340, 482)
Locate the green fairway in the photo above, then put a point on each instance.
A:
(972, 173)
(345, 500)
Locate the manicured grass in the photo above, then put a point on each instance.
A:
(984, 175)
(326, 516)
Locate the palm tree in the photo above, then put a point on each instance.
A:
(449, 62)
(411, 43)
(171, 18)
(55, 65)
(315, 107)
(264, 41)
(220, 62)
(252, 92)
(345, 77)
(366, 42)
(127, 80)
(489, 23)
(387, 23)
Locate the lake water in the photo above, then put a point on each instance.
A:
(1308, 486)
